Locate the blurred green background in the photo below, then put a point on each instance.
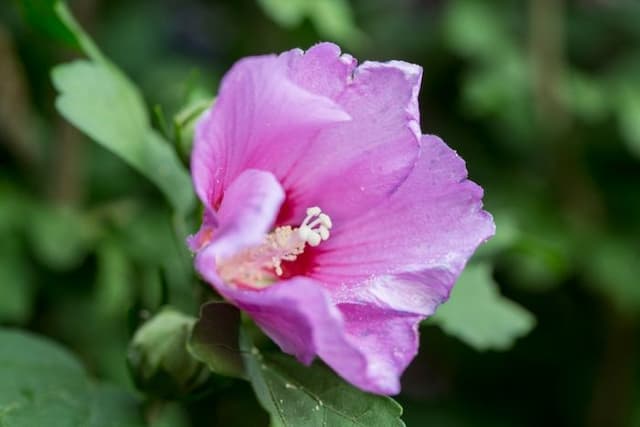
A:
(540, 97)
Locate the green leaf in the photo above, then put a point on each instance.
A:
(299, 396)
(81, 38)
(332, 18)
(214, 339)
(287, 13)
(113, 407)
(102, 103)
(477, 314)
(159, 359)
(185, 120)
(43, 385)
(89, 95)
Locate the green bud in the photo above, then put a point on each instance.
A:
(158, 357)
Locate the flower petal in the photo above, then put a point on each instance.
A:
(260, 120)
(322, 69)
(407, 253)
(202, 238)
(299, 316)
(355, 165)
(316, 123)
(247, 212)
(389, 339)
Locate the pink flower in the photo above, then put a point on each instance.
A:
(330, 219)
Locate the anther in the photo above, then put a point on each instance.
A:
(252, 266)
(315, 227)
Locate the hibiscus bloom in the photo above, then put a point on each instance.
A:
(329, 218)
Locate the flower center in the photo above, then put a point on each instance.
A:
(259, 266)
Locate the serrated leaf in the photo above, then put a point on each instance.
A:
(101, 101)
(82, 39)
(214, 339)
(43, 385)
(477, 314)
(299, 396)
(103, 104)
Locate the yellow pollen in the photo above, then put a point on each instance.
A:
(259, 266)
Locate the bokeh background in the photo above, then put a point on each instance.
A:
(540, 97)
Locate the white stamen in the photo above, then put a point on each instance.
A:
(315, 227)
(326, 221)
(314, 239)
(314, 211)
(324, 233)
(256, 266)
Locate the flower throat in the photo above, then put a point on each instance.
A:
(259, 266)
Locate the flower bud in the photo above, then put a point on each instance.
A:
(158, 357)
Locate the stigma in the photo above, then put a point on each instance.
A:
(259, 266)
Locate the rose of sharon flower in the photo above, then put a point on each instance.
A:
(329, 218)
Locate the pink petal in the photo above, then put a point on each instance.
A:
(299, 316)
(204, 235)
(407, 253)
(316, 123)
(366, 345)
(247, 213)
(261, 119)
(388, 338)
(355, 165)
(322, 69)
